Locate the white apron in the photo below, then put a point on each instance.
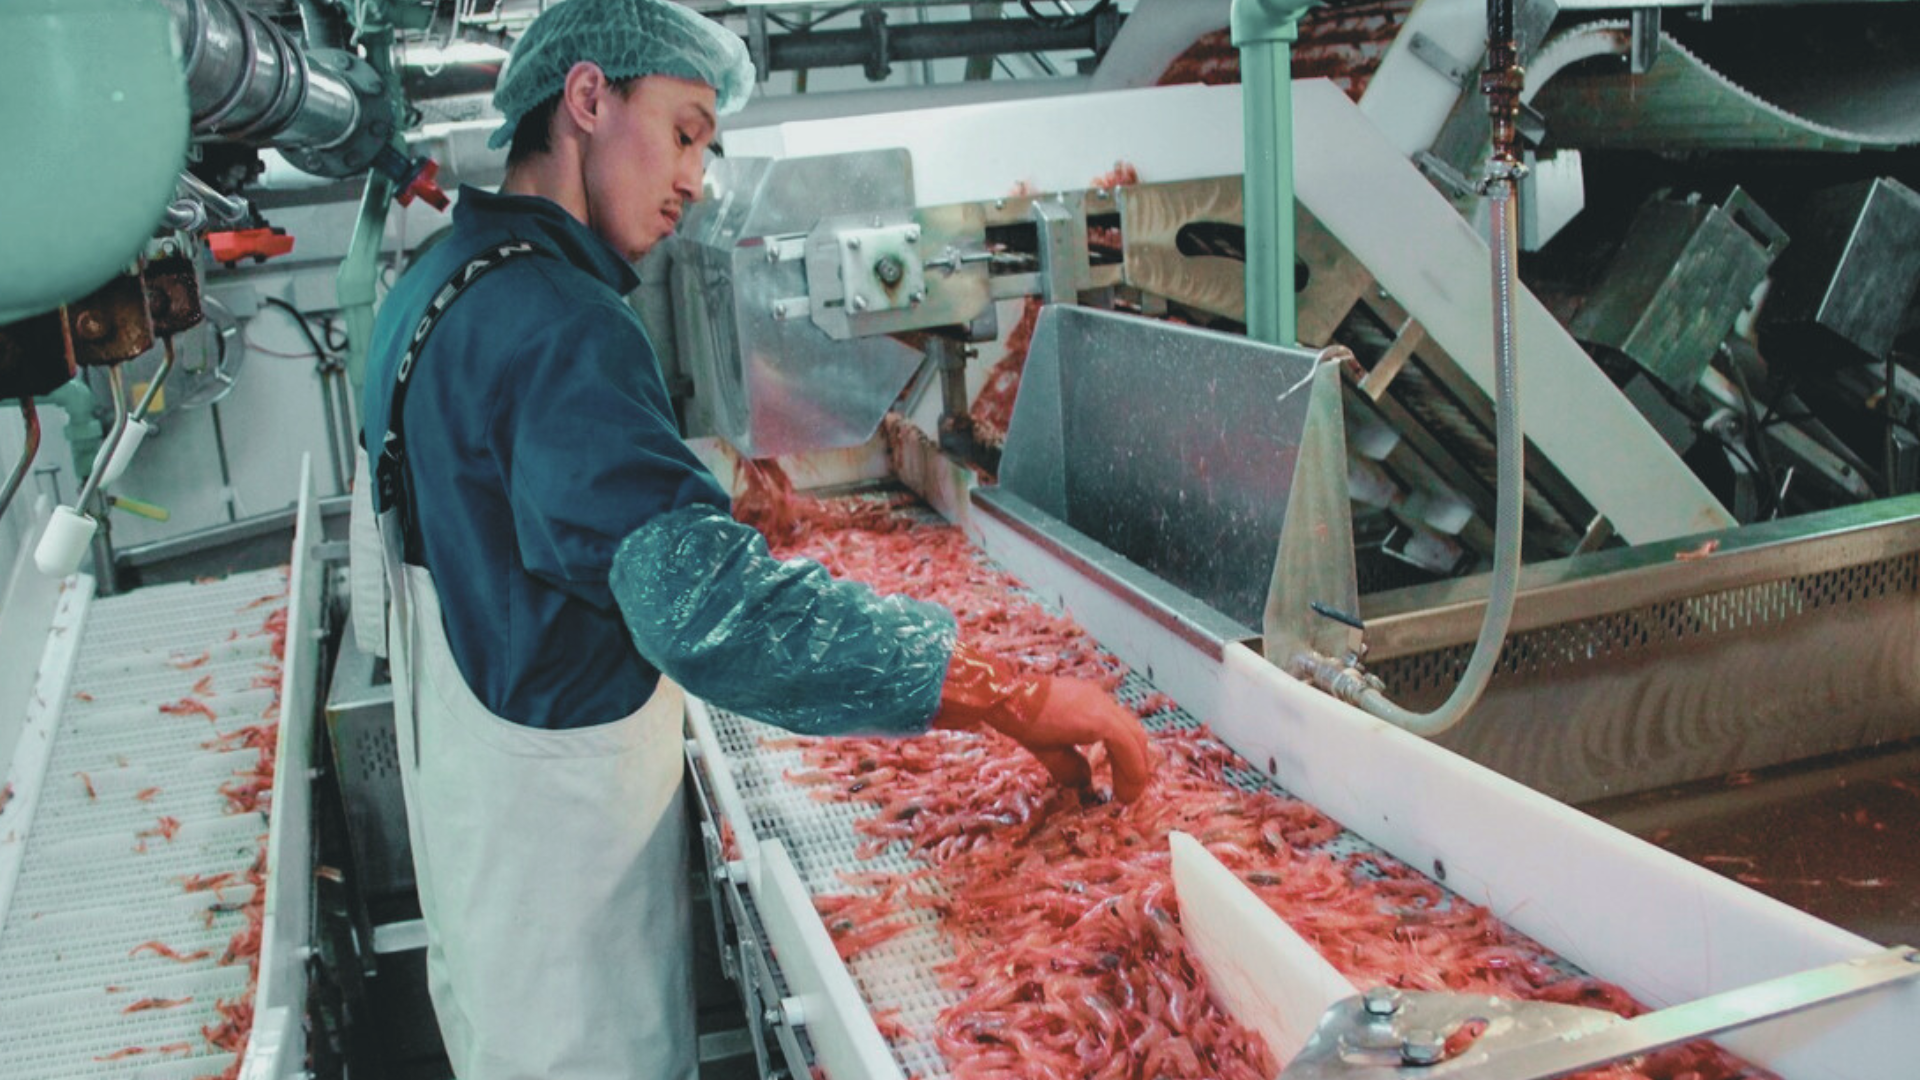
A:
(551, 867)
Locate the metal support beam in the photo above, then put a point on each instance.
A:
(878, 43)
(1264, 32)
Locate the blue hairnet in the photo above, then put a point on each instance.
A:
(782, 642)
(626, 39)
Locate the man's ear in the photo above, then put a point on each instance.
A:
(582, 94)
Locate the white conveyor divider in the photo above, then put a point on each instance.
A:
(32, 749)
(733, 809)
(277, 1048)
(846, 1042)
(823, 998)
(1666, 930)
(1624, 910)
(1259, 971)
(28, 600)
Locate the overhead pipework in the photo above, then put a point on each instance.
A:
(249, 81)
(877, 43)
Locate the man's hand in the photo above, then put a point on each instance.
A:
(1076, 712)
(1049, 716)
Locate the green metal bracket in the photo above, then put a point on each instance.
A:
(84, 433)
(1264, 32)
(360, 270)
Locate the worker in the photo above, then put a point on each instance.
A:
(562, 564)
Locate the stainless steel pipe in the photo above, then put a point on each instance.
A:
(249, 80)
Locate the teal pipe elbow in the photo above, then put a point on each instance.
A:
(83, 431)
(1263, 31)
(1266, 20)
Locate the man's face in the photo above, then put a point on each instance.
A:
(646, 160)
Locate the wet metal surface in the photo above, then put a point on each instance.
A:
(1171, 446)
(1835, 838)
(772, 381)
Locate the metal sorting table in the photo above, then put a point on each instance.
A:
(78, 894)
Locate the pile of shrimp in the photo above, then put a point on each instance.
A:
(1069, 958)
(248, 792)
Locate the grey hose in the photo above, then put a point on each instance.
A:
(1510, 453)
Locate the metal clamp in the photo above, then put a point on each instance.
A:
(1502, 171)
(1458, 1036)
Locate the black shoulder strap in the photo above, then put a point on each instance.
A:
(390, 471)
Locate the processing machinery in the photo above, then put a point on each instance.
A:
(1147, 472)
(1030, 314)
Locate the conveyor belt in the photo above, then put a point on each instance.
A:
(87, 888)
(899, 974)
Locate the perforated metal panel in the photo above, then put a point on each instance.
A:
(366, 762)
(91, 889)
(1660, 627)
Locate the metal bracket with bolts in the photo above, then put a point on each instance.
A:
(1449, 1036)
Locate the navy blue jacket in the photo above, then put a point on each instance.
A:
(539, 435)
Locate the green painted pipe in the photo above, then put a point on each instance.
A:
(1264, 32)
(84, 433)
(354, 284)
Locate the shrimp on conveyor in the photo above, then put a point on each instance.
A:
(132, 884)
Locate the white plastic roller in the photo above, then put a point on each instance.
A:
(123, 451)
(64, 543)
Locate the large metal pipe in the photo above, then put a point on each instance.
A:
(879, 43)
(248, 80)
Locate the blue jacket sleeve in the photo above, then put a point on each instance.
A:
(782, 642)
(591, 448)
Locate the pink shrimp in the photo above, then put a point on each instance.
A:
(160, 948)
(188, 706)
(145, 1004)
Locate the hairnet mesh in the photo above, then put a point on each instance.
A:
(625, 39)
